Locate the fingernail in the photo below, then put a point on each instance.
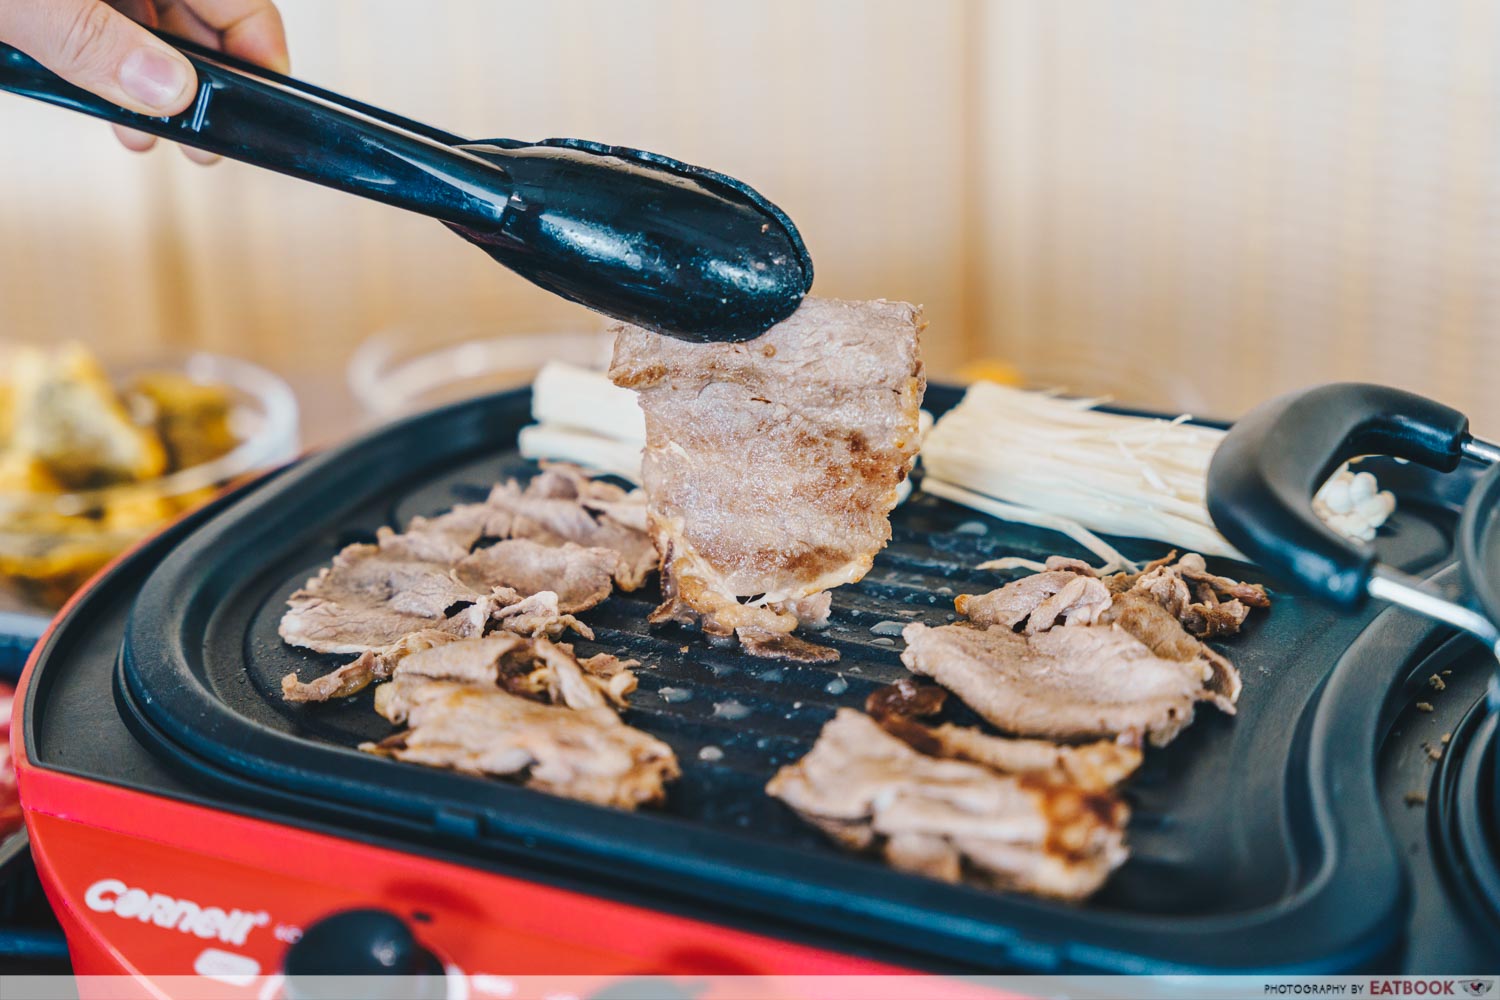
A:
(154, 79)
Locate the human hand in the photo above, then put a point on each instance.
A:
(99, 45)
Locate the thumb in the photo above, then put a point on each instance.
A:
(94, 46)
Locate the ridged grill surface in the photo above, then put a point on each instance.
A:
(733, 719)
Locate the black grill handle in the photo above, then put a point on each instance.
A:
(1270, 464)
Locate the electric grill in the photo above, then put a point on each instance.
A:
(156, 754)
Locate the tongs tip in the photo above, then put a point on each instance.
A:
(646, 239)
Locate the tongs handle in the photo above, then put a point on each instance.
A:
(1264, 474)
(249, 113)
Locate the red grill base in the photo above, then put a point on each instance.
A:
(87, 836)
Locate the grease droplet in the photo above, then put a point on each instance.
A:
(675, 696)
(730, 710)
(711, 754)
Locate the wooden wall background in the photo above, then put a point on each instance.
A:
(1193, 202)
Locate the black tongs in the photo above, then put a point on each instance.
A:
(646, 239)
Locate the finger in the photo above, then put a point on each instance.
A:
(136, 142)
(251, 29)
(202, 157)
(101, 50)
(178, 19)
(139, 11)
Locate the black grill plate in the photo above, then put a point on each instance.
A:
(1242, 859)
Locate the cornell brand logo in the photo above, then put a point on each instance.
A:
(1478, 987)
(110, 895)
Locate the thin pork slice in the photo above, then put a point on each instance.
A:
(1040, 601)
(539, 615)
(1140, 614)
(446, 538)
(1069, 683)
(559, 505)
(771, 466)
(578, 577)
(365, 669)
(375, 597)
(509, 706)
(534, 668)
(370, 597)
(540, 514)
(584, 754)
(953, 819)
(1091, 767)
(1114, 657)
(1206, 604)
